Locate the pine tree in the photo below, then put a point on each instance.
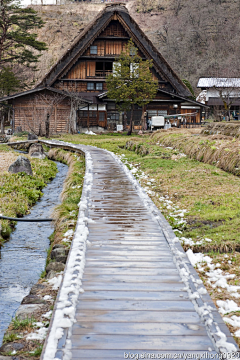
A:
(18, 42)
(9, 82)
(131, 82)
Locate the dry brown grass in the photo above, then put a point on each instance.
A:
(219, 150)
(6, 159)
(219, 293)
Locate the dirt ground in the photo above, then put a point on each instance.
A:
(6, 159)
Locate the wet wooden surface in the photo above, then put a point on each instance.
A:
(134, 299)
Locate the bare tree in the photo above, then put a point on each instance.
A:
(38, 114)
(50, 102)
(75, 103)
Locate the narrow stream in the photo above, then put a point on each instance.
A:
(23, 257)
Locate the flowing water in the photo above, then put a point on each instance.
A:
(23, 257)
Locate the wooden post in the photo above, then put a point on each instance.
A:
(88, 118)
(2, 123)
(97, 116)
(55, 118)
(47, 125)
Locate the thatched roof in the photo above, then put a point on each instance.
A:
(93, 30)
(42, 88)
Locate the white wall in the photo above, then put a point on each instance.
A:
(42, 2)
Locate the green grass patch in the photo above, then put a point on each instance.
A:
(19, 324)
(10, 337)
(210, 195)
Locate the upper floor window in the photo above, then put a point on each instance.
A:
(133, 51)
(90, 86)
(99, 86)
(94, 86)
(93, 50)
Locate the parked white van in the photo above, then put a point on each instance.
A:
(157, 122)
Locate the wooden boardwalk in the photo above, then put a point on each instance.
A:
(135, 300)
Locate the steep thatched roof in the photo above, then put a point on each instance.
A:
(42, 88)
(92, 31)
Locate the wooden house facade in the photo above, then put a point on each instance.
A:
(82, 72)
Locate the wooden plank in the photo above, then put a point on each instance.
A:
(133, 286)
(132, 258)
(139, 342)
(130, 264)
(101, 278)
(134, 295)
(86, 354)
(155, 329)
(135, 305)
(128, 271)
(189, 317)
(138, 253)
(126, 245)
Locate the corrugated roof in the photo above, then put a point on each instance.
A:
(218, 82)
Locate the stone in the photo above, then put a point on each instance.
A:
(51, 274)
(61, 259)
(58, 252)
(34, 290)
(32, 136)
(26, 311)
(36, 151)
(5, 357)
(55, 266)
(22, 164)
(11, 347)
(32, 299)
(58, 246)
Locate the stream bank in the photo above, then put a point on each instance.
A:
(19, 192)
(28, 329)
(23, 257)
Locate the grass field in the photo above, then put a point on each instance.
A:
(210, 195)
(199, 199)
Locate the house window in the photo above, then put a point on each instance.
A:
(93, 50)
(114, 116)
(111, 106)
(99, 86)
(90, 86)
(133, 51)
(101, 116)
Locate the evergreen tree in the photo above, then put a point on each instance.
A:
(9, 82)
(18, 42)
(131, 82)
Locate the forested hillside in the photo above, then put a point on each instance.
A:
(197, 37)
